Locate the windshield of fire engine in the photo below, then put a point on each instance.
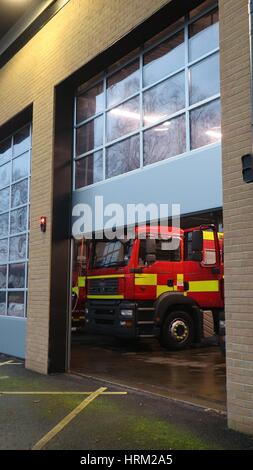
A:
(111, 253)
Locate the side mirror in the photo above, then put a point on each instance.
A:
(197, 256)
(150, 246)
(150, 258)
(197, 240)
(197, 245)
(150, 250)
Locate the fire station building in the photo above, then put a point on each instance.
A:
(137, 102)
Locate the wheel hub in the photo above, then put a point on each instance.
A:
(179, 330)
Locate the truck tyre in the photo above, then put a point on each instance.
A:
(177, 331)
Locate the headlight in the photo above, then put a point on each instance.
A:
(86, 310)
(222, 323)
(127, 313)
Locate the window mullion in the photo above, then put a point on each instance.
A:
(104, 127)
(187, 88)
(141, 112)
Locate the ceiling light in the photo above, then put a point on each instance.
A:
(150, 118)
(216, 134)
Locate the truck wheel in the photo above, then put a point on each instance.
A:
(177, 331)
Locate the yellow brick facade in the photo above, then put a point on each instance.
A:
(80, 31)
(238, 210)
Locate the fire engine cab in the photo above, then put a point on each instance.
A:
(161, 283)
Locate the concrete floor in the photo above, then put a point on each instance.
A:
(196, 376)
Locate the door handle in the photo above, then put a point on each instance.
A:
(186, 285)
(170, 282)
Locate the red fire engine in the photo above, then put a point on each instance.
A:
(160, 286)
(78, 284)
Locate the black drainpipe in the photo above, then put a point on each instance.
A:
(247, 160)
(251, 59)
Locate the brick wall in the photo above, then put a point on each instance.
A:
(238, 211)
(81, 30)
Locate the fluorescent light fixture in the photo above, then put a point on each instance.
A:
(161, 129)
(125, 113)
(132, 115)
(215, 133)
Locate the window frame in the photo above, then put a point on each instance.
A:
(7, 290)
(103, 77)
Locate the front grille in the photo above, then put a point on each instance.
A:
(104, 316)
(104, 311)
(103, 286)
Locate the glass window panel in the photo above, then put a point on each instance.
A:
(4, 225)
(16, 276)
(18, 248)
(3, 280)
(89, 169)
(16, 304)
(5, 171)
(164, 59)
(164, 99)
(22, 141)
(19, 193)
(123, 157)
(89, 83)
(21, 167)
(205, 79)
(201, 8)
(205, 125)
(89, 136)
(124, 83)
(165, 141)
(123, 119)
(204, 35)
(2, 303)
(19, 220)
(3, 251)
(123, 60)
(4, 199)
(90, 103)
(172, 28)
(5, 151)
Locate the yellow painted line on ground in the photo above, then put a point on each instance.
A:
(57, 393)
(10, 363)
(63, 423)
(5, 363)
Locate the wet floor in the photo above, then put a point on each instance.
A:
(197, 375)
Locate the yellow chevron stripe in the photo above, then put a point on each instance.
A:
(114, 297)
(145, 279)
(209, 235)
(194, 286)
(161, 289)
(75, 290)
(81, 281)
(106, 276)
(180, 279)
(203, 286)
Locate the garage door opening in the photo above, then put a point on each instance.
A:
(195, 372)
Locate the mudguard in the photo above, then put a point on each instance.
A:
(166, 301)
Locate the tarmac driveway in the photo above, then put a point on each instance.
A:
(70, 412)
